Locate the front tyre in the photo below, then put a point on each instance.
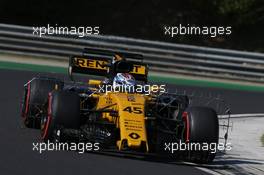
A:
(63, 112)
(202, 129)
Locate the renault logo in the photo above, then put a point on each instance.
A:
(134, 135)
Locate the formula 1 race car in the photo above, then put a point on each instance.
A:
(124, 120)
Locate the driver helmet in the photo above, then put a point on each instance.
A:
(124, 80)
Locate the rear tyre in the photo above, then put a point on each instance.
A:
(63, 112)
(201, 124)
(34, 99)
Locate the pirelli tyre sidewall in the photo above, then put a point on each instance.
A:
(201, 127)
(34, 98)
(63, 112)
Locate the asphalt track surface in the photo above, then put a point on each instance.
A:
(17, 157)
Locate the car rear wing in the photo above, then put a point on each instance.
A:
(100, 63)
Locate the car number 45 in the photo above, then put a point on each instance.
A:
(135, 110)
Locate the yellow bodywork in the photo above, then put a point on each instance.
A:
(130, 117)
(129, 108)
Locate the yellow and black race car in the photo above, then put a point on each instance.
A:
(139, 120)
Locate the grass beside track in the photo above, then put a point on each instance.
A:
(156, 78)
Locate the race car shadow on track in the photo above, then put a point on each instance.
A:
(237, 161)
(219, 165)
(234, 159)
(160, 159)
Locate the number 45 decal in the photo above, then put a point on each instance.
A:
(135, 110)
